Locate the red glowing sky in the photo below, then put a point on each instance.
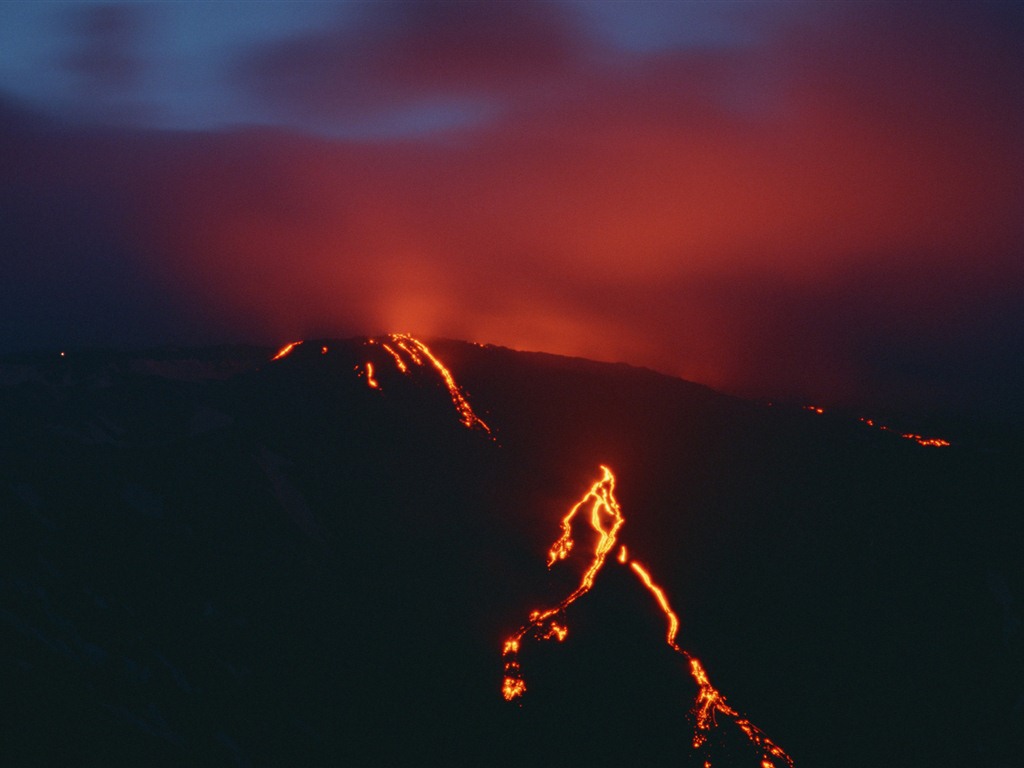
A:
(819, 201)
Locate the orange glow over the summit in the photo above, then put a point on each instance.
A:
(606, 520)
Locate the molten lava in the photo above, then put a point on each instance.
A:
(372, 382)
(419, 354)
(286, 350)
(416, 353)
(601, 509)
(606, 519)
(932, 442)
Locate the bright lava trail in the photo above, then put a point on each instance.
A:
(606, 519)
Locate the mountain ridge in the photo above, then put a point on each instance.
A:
(224, 569)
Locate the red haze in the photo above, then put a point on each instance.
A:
(833, 219)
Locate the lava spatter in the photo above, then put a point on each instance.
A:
(606, 519)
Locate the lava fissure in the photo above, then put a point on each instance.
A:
(606, 519)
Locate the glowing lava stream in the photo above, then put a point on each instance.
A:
(932, 442)
(606, 519)
(928, 442)
(286, 350)
(419, 354)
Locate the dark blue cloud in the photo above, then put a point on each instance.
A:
(397, 60)
(107, 52)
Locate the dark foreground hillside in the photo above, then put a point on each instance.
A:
(207, 558)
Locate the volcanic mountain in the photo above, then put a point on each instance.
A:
(318, 556)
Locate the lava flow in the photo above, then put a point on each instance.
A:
(933, 442)
(286, 350)
(370, 380)
(606, 519)
(930, 442)
(419, 354)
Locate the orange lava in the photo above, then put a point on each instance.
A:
(286, 350)
(398, 360)
(372, 382)
(936, 442)
(659, 595)
(932, 442)
(606, 520)
(419, 354)
(710, 701)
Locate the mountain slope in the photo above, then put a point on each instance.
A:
(211, 557)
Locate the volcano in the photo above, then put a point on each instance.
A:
(318, 554)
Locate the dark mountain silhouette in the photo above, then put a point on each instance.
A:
(209, 558)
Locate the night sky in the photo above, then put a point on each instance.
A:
(822, 201)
